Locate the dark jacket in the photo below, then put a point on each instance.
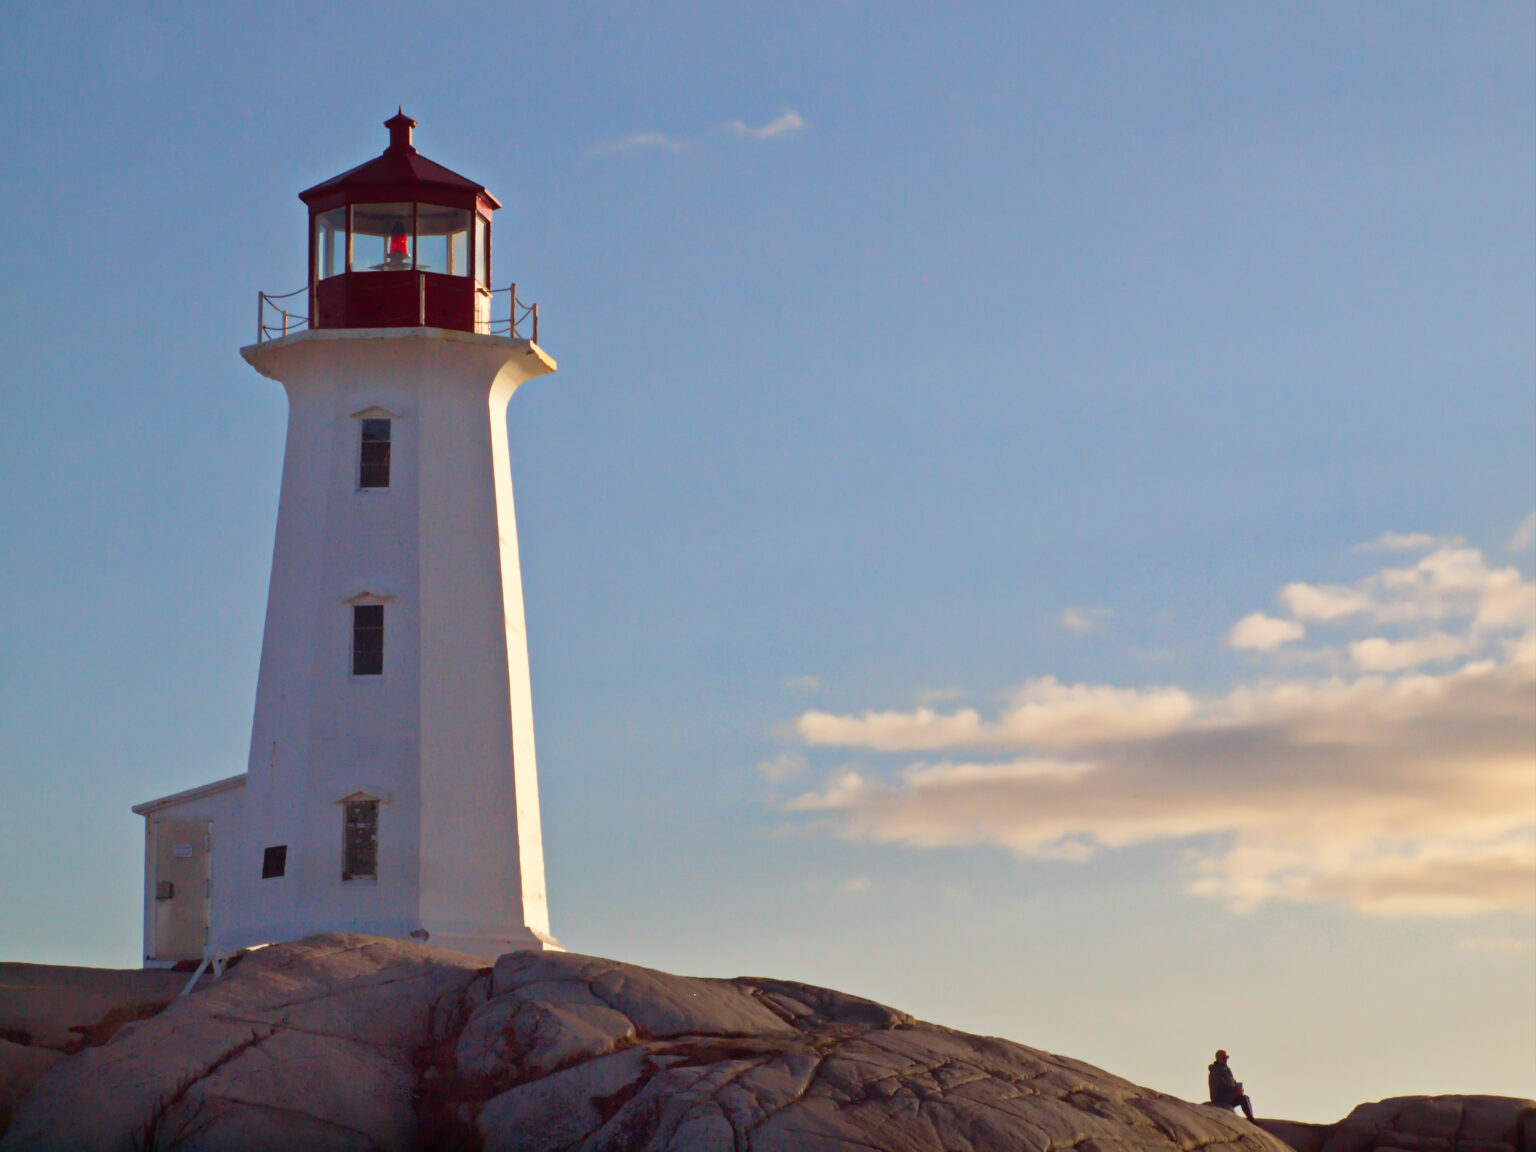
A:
(1224, 1086)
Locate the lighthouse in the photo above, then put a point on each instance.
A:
(391, 786)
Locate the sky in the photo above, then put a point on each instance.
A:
(1033, 523)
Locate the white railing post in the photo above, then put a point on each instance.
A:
(261, 314)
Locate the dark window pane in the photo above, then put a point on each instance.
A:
(367, 639)
(274, 861)
(373, 469)
(360, 839)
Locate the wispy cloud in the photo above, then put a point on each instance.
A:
(1378, 654)
(802, 683)
(1386, 789)
(939, 695)
(788, 124)
(1400, 542)
(1451, 581)
(855, 887)
(1043, 712)
(638, 142)
(1525, 535)
(1264, 633)
(785, 767)
(1084, 620)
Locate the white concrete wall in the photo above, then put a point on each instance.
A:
(224, 811)
(445, 734)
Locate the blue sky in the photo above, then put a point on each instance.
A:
(939, 390)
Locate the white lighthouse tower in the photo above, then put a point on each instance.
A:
(391, 786)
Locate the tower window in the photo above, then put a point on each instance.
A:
(373, 467)
(360, 839)
(367, 639)
(274, 861)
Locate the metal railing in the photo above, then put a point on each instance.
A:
(518, 313)
(274, 321)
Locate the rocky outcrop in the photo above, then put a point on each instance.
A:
(304, 1045)
(21, 1067)
(1420, 1124)
(342, 1042)
(66, 1009)
(574, 1052)
(49, 1011)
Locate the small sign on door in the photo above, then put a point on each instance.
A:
(181, 851)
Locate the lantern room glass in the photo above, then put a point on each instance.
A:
(442, 240)
(482, 250)
(383, 237)
(330, 243)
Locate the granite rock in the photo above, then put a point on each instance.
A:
(307, 1044)
(67, 1009)
(343, 1042)
(21, 1067)
(577, 1053)
(1420, 1124)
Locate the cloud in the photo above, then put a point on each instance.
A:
(638, 142)
(1381, 655)
(788, 124)
(1451, 581)
(939, 695)
(1323, 602)
(1264, 633)
(1085, 619)
(1399, 542)
(1042, 712)
(785, 767)
(802, 683)
(855, 887)
(1525, 535)
(1387, 789)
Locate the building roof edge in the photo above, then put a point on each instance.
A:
(197, 793)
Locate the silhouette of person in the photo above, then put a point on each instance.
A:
(1225, 1089)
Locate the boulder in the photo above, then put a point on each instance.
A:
(1437, 1124)
(1420, 1124)
(304, 1045)
(573, 1052)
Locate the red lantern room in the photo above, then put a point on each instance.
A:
(400, 242)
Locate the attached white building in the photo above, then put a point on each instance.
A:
(391, 786)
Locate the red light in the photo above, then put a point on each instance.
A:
(399, 241)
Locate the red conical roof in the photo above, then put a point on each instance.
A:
(401, 173)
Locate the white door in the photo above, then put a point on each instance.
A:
(181, 888)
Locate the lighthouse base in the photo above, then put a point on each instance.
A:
(528, 940)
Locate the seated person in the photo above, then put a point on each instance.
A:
(1225, 1089)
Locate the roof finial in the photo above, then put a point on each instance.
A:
(400, 126)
